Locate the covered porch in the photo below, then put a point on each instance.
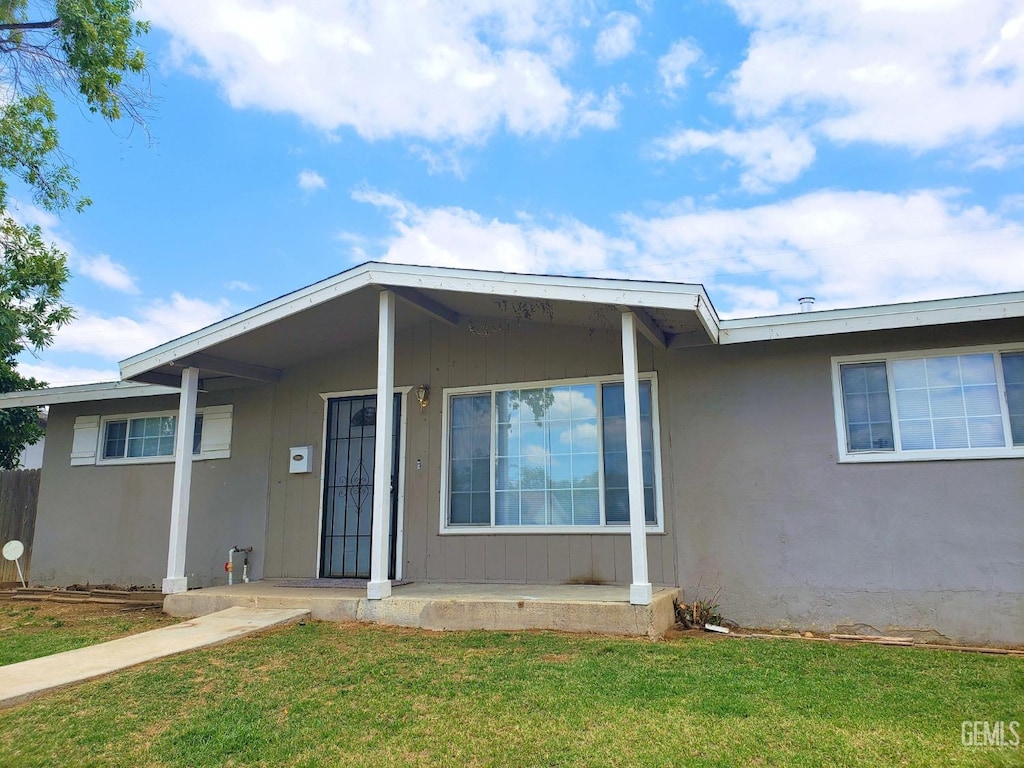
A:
(597, 609)
(380, 332)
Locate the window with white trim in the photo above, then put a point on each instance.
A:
(148, 437)
(546, 457)
(962, 403)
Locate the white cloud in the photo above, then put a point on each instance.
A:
(105, 271)
(311, 181)
(603, 114)
(456, 237)
(436, 71)
(117, 337)
(356, 243)
(915, 74)
(239, 285)
(673, 66)
(57, 375)
(440, 162)
(618, 38)
(997, 156)
(845, 248)
(769, 156)
(101, 268)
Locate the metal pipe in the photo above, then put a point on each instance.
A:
(229, 566)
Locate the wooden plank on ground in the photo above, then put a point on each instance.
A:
(877, 639)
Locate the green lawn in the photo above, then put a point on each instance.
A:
(31, 629)
(323, 694)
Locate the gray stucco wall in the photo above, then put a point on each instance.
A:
(786, 536)
(110, 524)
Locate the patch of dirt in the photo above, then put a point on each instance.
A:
(678, 633)
(78, 613)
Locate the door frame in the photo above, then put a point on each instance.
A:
(403, 392)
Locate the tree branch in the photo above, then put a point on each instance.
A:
(23, 25)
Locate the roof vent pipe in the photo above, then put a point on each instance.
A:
(807, 304)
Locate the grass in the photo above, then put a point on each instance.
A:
(29, 629)
(323, 694)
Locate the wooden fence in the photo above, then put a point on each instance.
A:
(19, 495)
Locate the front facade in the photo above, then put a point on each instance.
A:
(830, 469)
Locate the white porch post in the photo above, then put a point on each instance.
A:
(379, 585)
(640, 591)
(176, 580)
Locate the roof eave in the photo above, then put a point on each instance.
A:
(81, 393)
(880, 318)
(593, 290)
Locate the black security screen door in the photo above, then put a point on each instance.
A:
(348, 487)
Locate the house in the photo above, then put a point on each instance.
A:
(819, 469)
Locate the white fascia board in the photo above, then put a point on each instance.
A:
(581, 289)
(590, 290)
(708, 317)
(251, 319)
(887, 317)
(82, 393)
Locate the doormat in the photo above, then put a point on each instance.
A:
(334, 583)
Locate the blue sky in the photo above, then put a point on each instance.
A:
(859, 152)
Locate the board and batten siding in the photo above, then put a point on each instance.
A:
(440, 356)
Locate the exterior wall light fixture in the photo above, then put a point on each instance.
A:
(423, 396)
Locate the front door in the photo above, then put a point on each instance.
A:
(348, 487)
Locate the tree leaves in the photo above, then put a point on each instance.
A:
(83, 49)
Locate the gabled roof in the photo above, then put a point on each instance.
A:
(258, 342)
(342, 310)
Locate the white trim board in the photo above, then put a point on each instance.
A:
(83, 393)
(646, 294)
(884, 317)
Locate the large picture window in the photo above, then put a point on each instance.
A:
(546, 456)
(952, 404)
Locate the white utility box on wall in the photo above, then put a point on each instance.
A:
(301, 460)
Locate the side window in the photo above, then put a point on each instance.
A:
(966, 404)
(149, 437)
(866, 405)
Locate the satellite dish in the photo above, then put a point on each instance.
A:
(13, 550)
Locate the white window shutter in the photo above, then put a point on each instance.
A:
(86, 441)
(216, 442)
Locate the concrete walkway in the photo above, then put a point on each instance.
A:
(27, 679)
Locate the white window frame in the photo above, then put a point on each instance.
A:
(604, 528)
(938, 454)
(205, 453)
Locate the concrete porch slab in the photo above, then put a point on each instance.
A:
(28, 679)
(454, 606)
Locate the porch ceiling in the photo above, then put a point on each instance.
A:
(260, 343)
